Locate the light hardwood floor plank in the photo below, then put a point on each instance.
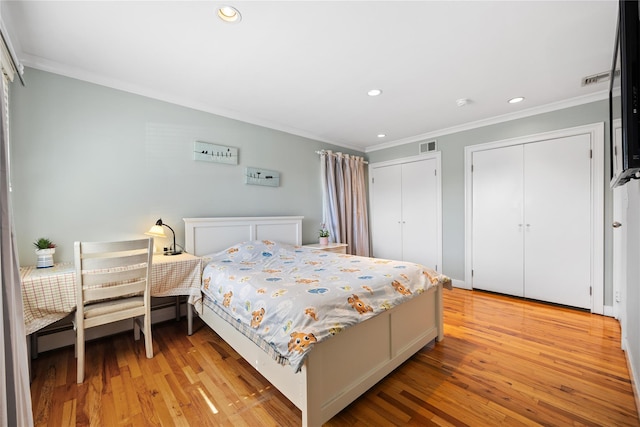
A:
(504, 361)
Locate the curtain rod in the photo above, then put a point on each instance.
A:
(339, 153)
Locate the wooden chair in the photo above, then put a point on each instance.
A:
(113, 282)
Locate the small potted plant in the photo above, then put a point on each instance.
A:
(45, 249)
(324, 235)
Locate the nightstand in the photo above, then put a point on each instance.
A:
(338, 248)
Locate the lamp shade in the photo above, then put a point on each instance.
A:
(156, 231)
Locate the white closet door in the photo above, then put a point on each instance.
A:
(419, 213)
(558, 220)
(386, 213)
(497, 220)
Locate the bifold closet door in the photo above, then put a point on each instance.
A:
(498, 259)
(532, 220)
(557, 217)
(419, 213)
(386, 215)
(404, 212)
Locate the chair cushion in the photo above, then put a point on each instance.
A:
(112, 306)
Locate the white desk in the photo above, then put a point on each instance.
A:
(48, 294)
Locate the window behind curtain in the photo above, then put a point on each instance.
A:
(8, 74)
(5, 101)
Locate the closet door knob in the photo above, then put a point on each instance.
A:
(616, 224)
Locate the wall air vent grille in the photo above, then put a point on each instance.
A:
(428, 146)
(597, 78)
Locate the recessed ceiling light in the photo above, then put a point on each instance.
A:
(381, 135)
(374, 92)
(516, 100)
(229, 14)
(462, 102)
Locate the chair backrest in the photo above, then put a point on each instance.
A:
(110, 270)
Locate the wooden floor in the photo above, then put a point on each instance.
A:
(503, 362)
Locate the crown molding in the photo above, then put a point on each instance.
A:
(87, 76)
(560, 105)
(101, 80)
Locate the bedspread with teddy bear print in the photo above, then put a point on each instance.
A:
(293, 297)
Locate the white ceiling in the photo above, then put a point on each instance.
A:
(305, 67)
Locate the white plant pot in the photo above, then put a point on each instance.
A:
(324, 241)
(45, 257)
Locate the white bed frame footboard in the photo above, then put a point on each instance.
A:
(339, 370)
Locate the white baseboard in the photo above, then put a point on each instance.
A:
(632, 373)
(460, 284)
(608, 311)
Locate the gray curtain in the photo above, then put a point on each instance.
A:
(344, 199)
(15, 405)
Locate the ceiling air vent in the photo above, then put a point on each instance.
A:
(598, 78)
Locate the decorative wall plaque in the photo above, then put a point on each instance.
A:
(257, 176)
(207, 152)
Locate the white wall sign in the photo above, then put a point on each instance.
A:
(208, 152)
(257, 176)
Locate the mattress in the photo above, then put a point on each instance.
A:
(287, 298)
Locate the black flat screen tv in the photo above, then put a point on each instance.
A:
(624, 96)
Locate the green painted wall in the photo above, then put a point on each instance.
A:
(94, 163)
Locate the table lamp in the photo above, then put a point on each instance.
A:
(158, 231)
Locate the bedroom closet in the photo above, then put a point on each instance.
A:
(532, 228)
(405, 210)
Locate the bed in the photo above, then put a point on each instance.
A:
(337, 370)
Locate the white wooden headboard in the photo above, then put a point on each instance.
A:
(205, 236)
